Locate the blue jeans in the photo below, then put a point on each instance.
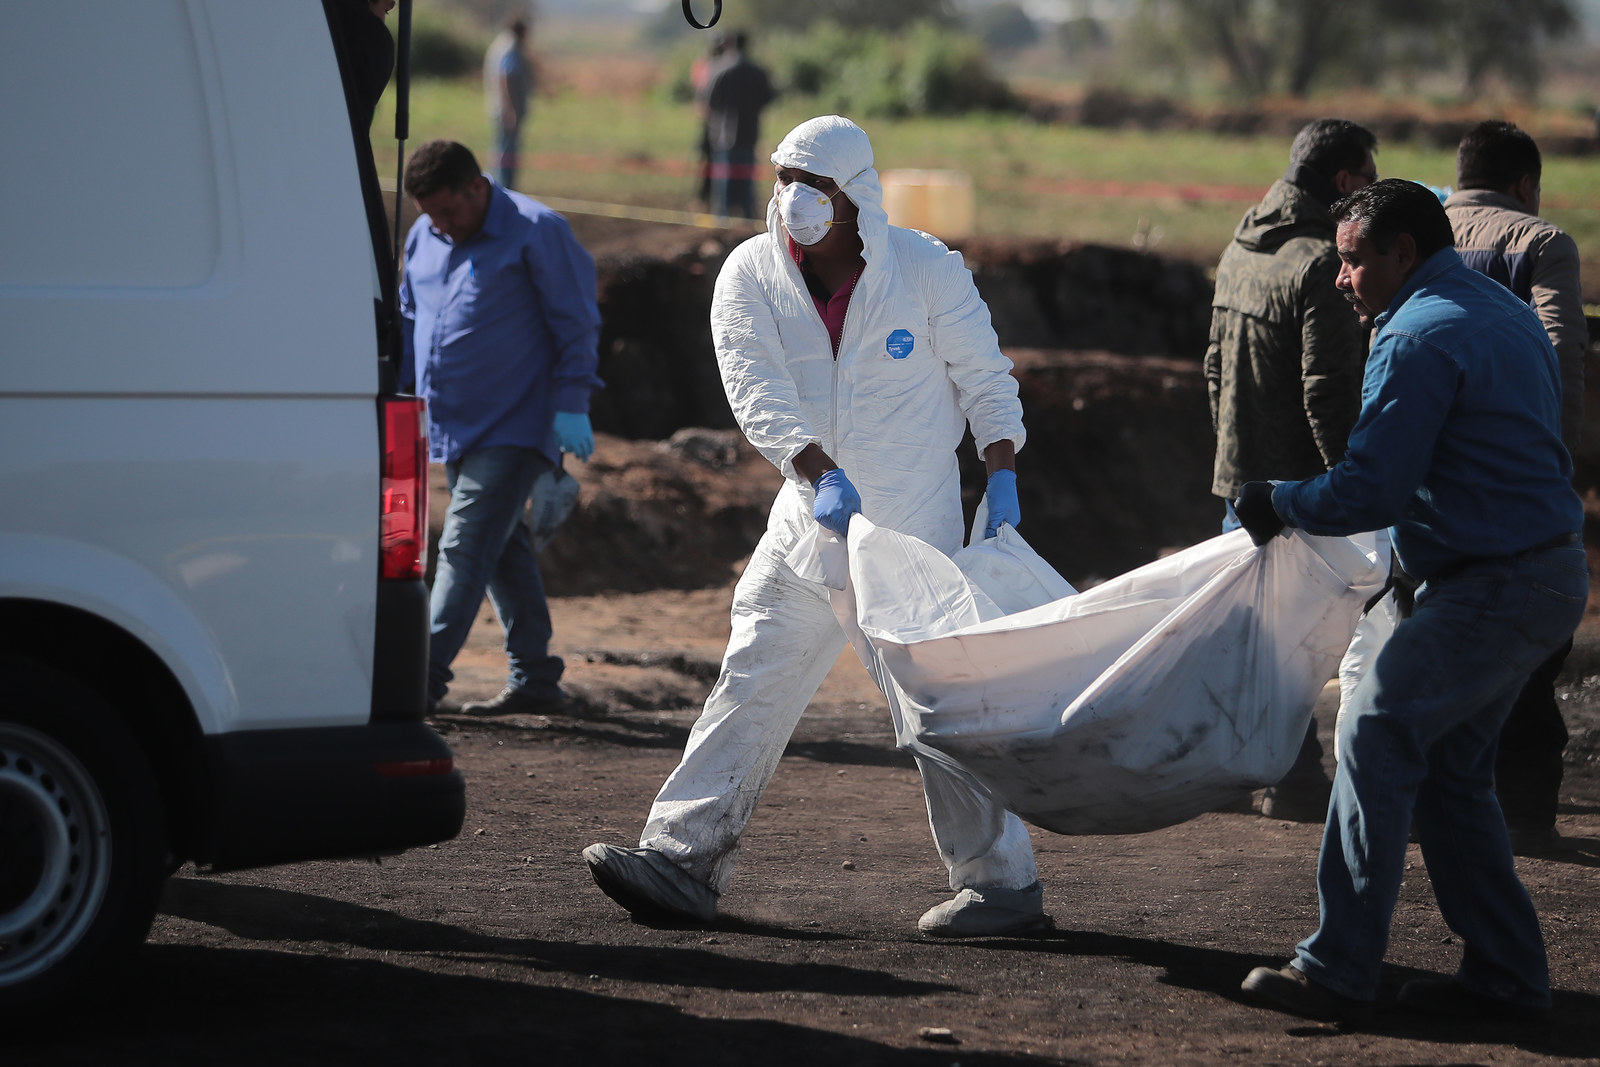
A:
(507, 149)
(1419, 740)
(732, 188)
(486, 546)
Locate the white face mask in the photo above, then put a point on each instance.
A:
(806, 213)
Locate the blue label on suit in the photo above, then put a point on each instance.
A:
(900, 344)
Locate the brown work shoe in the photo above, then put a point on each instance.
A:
(1290, 989)
(514, 701)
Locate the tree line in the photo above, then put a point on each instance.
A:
(1255, 47)
(1262, 46)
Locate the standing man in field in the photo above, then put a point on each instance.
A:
(846, 345)
(501, 333)
(1495, 215)
(700, 84)
(509, 81)
(739, 90)
(1283, 369)
(1458, 452)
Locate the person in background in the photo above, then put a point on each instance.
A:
(509, 82)
(1283, 367)
(1495, 216)
(699, 85)
(501, 335)
(1458, 452)
(846, 345)
(738, 92)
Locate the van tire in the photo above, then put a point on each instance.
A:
(82, 825)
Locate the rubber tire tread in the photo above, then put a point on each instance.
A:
(74, 714)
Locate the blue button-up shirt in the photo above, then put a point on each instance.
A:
(1458, 447)
(501, 330)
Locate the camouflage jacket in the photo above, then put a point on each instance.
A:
(1287, 352)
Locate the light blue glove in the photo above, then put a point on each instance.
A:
(836, 501)
(573, 434)
(1003, 506)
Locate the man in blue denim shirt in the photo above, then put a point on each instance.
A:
(501, 338)
(1457, 449)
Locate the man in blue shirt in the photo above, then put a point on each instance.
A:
(1458, 450)
(501, 337)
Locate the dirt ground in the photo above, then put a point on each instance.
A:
(496, 947)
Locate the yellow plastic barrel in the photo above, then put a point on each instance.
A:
(939, 202)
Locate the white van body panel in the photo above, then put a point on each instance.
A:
(189, 356)
(110, 586)
(166, 196)
(207, 660)
(256, 517)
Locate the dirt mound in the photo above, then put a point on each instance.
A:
(676, 514)
(1110, 478)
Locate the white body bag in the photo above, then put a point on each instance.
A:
(1140, 703)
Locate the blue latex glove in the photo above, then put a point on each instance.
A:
(836, 501)
(573, 434)
(1003, 506)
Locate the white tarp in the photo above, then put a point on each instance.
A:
(1140, 703)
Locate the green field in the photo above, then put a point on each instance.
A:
(1032, 180)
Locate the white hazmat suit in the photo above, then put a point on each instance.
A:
(918, 361)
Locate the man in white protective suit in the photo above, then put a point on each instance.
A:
(854, 354)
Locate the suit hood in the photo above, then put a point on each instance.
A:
(834, 147)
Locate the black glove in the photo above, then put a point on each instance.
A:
(1256, 513)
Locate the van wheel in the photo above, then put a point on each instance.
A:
(82, 833)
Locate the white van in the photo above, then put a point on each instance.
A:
(213, 623)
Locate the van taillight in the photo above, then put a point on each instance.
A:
(403, 536)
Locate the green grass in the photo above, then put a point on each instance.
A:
(1032, 180)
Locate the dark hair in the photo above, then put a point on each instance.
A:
(1496, 155)
(1386, 209)
(518, 26)
(1328, 146)
(741, 40)
(440, 165)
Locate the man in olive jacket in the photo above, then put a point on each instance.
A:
(1285, 361)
